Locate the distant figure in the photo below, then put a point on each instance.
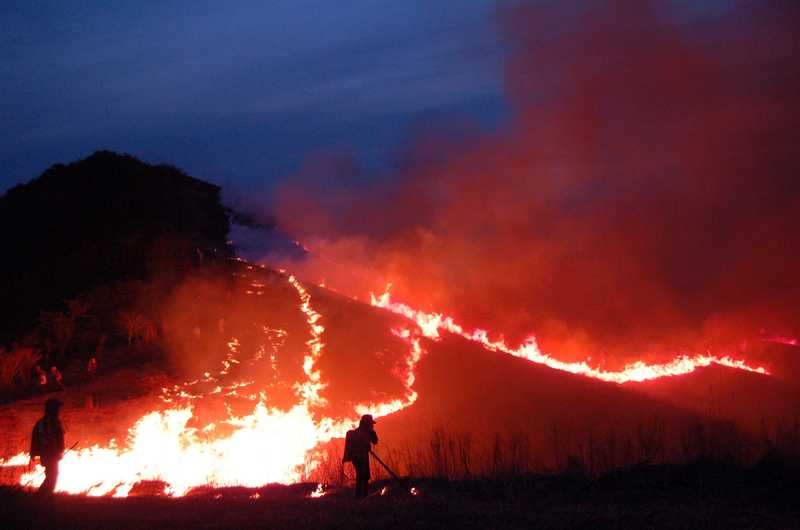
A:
(39, 377)
(57, 378)
(91, 368)
(47, 442)
(357, 445)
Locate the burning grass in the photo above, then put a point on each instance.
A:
(281, 383)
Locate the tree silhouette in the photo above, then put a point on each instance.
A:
(104, 220)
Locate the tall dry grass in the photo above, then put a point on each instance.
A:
(588, 453)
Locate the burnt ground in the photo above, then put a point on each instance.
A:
(690, 496)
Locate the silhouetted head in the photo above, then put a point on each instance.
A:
(366, 421)
(52, 406)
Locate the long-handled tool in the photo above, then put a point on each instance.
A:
(70, 449)
(412, 491)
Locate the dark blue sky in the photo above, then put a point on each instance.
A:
(238, 93)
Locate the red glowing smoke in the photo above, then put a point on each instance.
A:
(642, 197)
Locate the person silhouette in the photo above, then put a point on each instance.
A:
(47, 442)
(357, 446)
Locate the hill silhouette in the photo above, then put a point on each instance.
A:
(100, 220)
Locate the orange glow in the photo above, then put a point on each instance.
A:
(416, 351)
(163, 446)
(168, 445)
(432, 324)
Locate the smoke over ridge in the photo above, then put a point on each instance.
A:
(642, 197)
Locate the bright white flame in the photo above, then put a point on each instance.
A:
(266, 446)
(319, 492)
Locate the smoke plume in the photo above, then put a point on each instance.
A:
(643, 196)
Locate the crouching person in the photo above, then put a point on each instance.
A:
(47, 442)
(357, 446)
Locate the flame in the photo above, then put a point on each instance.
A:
(266, 446)
(311, 388)
(162, 447)
(415, 354)
(20, 459)
(432, 324)
(319, 492)
(270, 445)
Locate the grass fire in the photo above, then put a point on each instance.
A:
(564, 295)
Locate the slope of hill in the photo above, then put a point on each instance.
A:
(269, 362)
(755, 402)
(253, 356)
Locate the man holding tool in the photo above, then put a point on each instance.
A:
(357, 447)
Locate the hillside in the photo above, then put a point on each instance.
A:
(753, 401)
(248, 348)
(204, 357)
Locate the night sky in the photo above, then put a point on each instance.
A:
(239, 93)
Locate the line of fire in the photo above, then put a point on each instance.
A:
(203, 431)
(400, 264)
